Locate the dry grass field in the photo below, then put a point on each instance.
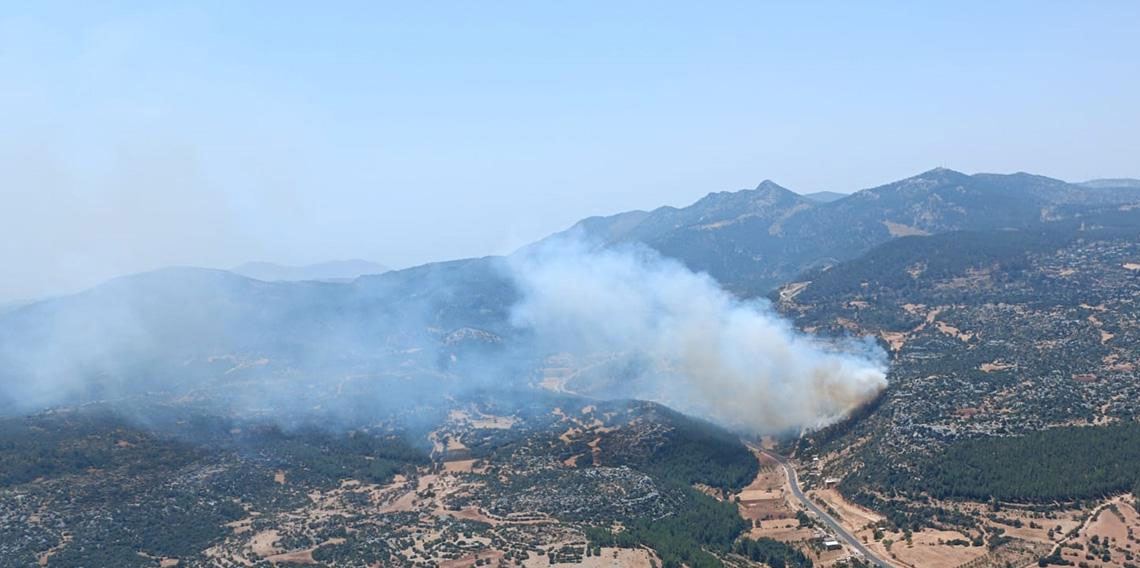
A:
(1108, 538)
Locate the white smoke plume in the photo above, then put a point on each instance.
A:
(708, 353)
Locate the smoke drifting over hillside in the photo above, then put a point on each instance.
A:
(635, 325)
(701, 349)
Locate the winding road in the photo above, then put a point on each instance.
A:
(827, 519)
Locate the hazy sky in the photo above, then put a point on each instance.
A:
(145, 134)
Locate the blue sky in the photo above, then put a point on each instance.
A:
(144, 134)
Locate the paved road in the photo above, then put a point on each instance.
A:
(834, 525)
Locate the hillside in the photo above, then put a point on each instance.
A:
(180, 330)
(1111, 183)
(483, 476)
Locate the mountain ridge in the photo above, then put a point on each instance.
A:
(825, 196)
(328, 271)
(785, 233)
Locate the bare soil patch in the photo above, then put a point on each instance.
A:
(853, 516)
(462, 466)
(1109, 525)
(925, 550)
(620, 558)
(263, 543)
(466, 561)
(296, 557)
(901, 230)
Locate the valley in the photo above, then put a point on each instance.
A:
(201, 418)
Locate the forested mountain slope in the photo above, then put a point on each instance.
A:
(992, 334)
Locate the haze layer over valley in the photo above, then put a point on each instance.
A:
(612, 307)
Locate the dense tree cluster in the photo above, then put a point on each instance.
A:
(177, 524)
(702, 524)
(1056, 464)
(49, 446)
(699, 452)
(318, 456)
(772, 553)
